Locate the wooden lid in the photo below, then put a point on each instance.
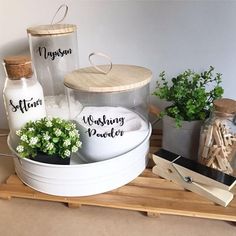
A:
(18, 67)
(120, 78)
(225, 105)
(52, 29)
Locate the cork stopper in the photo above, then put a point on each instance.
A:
(18, 67)
(225, 105)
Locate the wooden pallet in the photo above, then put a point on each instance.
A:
(147, 193)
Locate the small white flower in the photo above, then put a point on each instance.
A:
(58, 132)
(66, 143)
(31, 129)
(73, 126)
(46, 137)
(20, 148)
(74, 149)
(59, 121)
(68, 126)
(48, 123)
(24, 138)
(67, 153)
(77, 133)
(50, 146)
(78, 144)
(18, 132)
(72, 133)
(33, 141)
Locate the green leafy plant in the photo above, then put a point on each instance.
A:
(190, 94)
(51, 136)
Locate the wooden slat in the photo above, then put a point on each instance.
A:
(155, 143)
(156, 131)
(153, 149)
(160, 194)
(156, 136)
(155, 183)
(147, 173)
(13, 179)
(141, 203)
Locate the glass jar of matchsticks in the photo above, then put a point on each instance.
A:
(217, 148)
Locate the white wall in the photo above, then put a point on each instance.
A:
(160, 35)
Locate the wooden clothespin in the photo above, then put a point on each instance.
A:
(208, 182)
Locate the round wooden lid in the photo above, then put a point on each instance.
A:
(225, 105)
(52, 29)
(120, 78)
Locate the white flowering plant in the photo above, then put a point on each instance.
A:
(52, 136)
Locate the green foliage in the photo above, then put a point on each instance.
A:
(190, 95)
(51, 136)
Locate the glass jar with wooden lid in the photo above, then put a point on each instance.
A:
(110, 108)
(218, 137)
(54, 52)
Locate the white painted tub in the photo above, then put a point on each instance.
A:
(83, 179)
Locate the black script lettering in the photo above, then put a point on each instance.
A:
(91, 132)
(112, 134)
(42, 51)
(24, 105)
(122, 121)
(89, 120)
(14, 108)
(103, 121)
(52, 55)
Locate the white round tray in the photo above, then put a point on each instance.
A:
(83, 179)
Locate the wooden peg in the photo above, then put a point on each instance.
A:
(217, 136)
(209, 136)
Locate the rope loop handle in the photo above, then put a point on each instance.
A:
(64, 16)
(97, 67)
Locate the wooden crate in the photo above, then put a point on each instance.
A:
(147, 193)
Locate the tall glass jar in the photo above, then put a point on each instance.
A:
(22, 94)
(218, 137)
(54, 52)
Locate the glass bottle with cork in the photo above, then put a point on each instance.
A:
(22, 94)
(217, 147)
